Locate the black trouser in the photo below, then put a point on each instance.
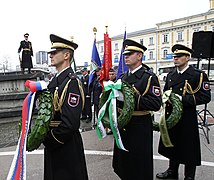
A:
(189, 170)
(87, 112)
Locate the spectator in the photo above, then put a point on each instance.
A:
(87, 112)
(96, 92)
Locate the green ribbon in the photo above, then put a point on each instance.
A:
(162, 125)
(110, 105)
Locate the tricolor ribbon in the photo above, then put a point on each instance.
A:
(18, 167)
(110, 106)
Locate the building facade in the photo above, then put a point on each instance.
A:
(160, 39)
(42, 57)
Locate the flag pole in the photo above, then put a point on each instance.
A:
(106, 29)
(93, 123)
(95, 32)
(73, 60)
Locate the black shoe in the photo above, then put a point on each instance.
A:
(168, 174)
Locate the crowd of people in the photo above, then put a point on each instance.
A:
(73, 98)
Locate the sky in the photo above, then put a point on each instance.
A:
(67, 18)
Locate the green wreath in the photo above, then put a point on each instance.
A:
(128, 106)
(175, 116)
(45, 113)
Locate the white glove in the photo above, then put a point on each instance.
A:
(120, 97)
(179, 96)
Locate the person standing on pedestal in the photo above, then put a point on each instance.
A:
(27, 53)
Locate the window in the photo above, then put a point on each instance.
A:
(165, 38)
(165, 52)
(116, 46)
(101, 49)
(116, 59)
(195, 29)
(151, 54)
(180, 36)
(151, 41)
(141, 41)
(212, 28)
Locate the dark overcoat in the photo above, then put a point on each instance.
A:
(64, 152)
(137, 135)
(87, 111)
(27, 52)
(185, 134)
(96, 91)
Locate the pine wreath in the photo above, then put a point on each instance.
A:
(175, 116)
(128, 106)
(45, 113)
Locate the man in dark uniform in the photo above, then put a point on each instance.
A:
(112, 75)
(137, 135)
(87, 111)
(64, 157)
(96, 92)
(27, 52)
(192, 87)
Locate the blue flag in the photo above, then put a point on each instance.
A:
(122, 67)
(95, 63)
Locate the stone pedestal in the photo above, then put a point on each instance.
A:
(12, 94)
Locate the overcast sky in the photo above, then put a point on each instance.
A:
(78, 17)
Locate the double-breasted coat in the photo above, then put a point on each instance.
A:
(27, 52)
(96, 91)
(193, 86)
(87, 111)
(64, 152)
(137, 135)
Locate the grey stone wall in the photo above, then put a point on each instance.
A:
(9, 132)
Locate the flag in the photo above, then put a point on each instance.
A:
(122, 67)
(18, 167)
(95, 62)
(107, 61)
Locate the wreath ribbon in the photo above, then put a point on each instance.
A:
(163, 127)
(18, 167)
(110, 106)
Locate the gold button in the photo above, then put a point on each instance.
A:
(124, 129)
(167, 112)
(181, 89)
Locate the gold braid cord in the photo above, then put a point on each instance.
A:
(57, 102)
(188, 88)
(81, 92)
(148, 85)
(146, 90)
